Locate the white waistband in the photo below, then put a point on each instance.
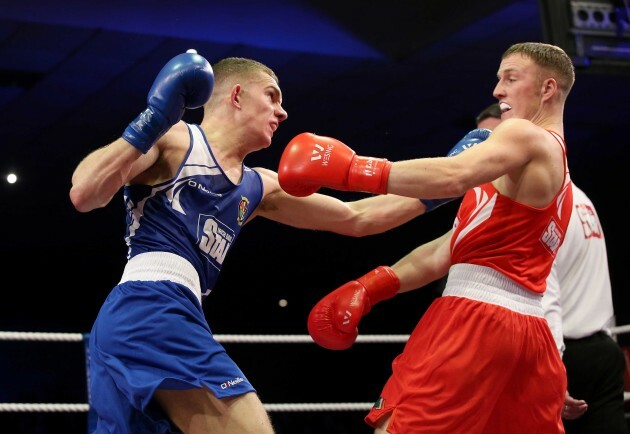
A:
(484, 284)
(153, 266)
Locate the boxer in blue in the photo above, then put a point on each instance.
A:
(155, 366)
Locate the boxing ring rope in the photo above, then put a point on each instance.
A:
(222, 338)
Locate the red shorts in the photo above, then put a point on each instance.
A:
(474, 367)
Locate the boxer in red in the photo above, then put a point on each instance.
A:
(482, 359)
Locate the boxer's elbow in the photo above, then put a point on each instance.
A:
(80, 200)
(84, 201)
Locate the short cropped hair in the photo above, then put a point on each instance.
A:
(549, 57)
(492, 111)
(240, 67)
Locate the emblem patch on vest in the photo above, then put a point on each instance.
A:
(242, 210)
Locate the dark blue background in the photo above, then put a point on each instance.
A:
(395, 81)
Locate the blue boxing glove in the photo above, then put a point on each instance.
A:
(475, 136)
(186, 81)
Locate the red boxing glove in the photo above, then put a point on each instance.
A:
(333, 321)
(310, 162)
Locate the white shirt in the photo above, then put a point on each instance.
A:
(578, 299)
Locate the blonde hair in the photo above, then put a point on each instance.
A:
(549, 57)
(239, 67)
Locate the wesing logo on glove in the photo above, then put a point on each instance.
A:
(317, 153)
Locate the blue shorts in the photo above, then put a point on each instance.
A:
(148, 336)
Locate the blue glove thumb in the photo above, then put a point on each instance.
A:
(473, 137)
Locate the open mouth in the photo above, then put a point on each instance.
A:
(505, 107)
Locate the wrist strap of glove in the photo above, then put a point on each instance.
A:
(146, 129)
(380, 284)
(369, 174)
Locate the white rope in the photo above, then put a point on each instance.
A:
(34, 336)
(296, 339)
(620, 329)
(320, 406)
(44, 408)
(228, 338)
(323, 406)
(302, 407)
(302, 339)
(234, 338)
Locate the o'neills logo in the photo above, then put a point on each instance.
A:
(231, 383)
